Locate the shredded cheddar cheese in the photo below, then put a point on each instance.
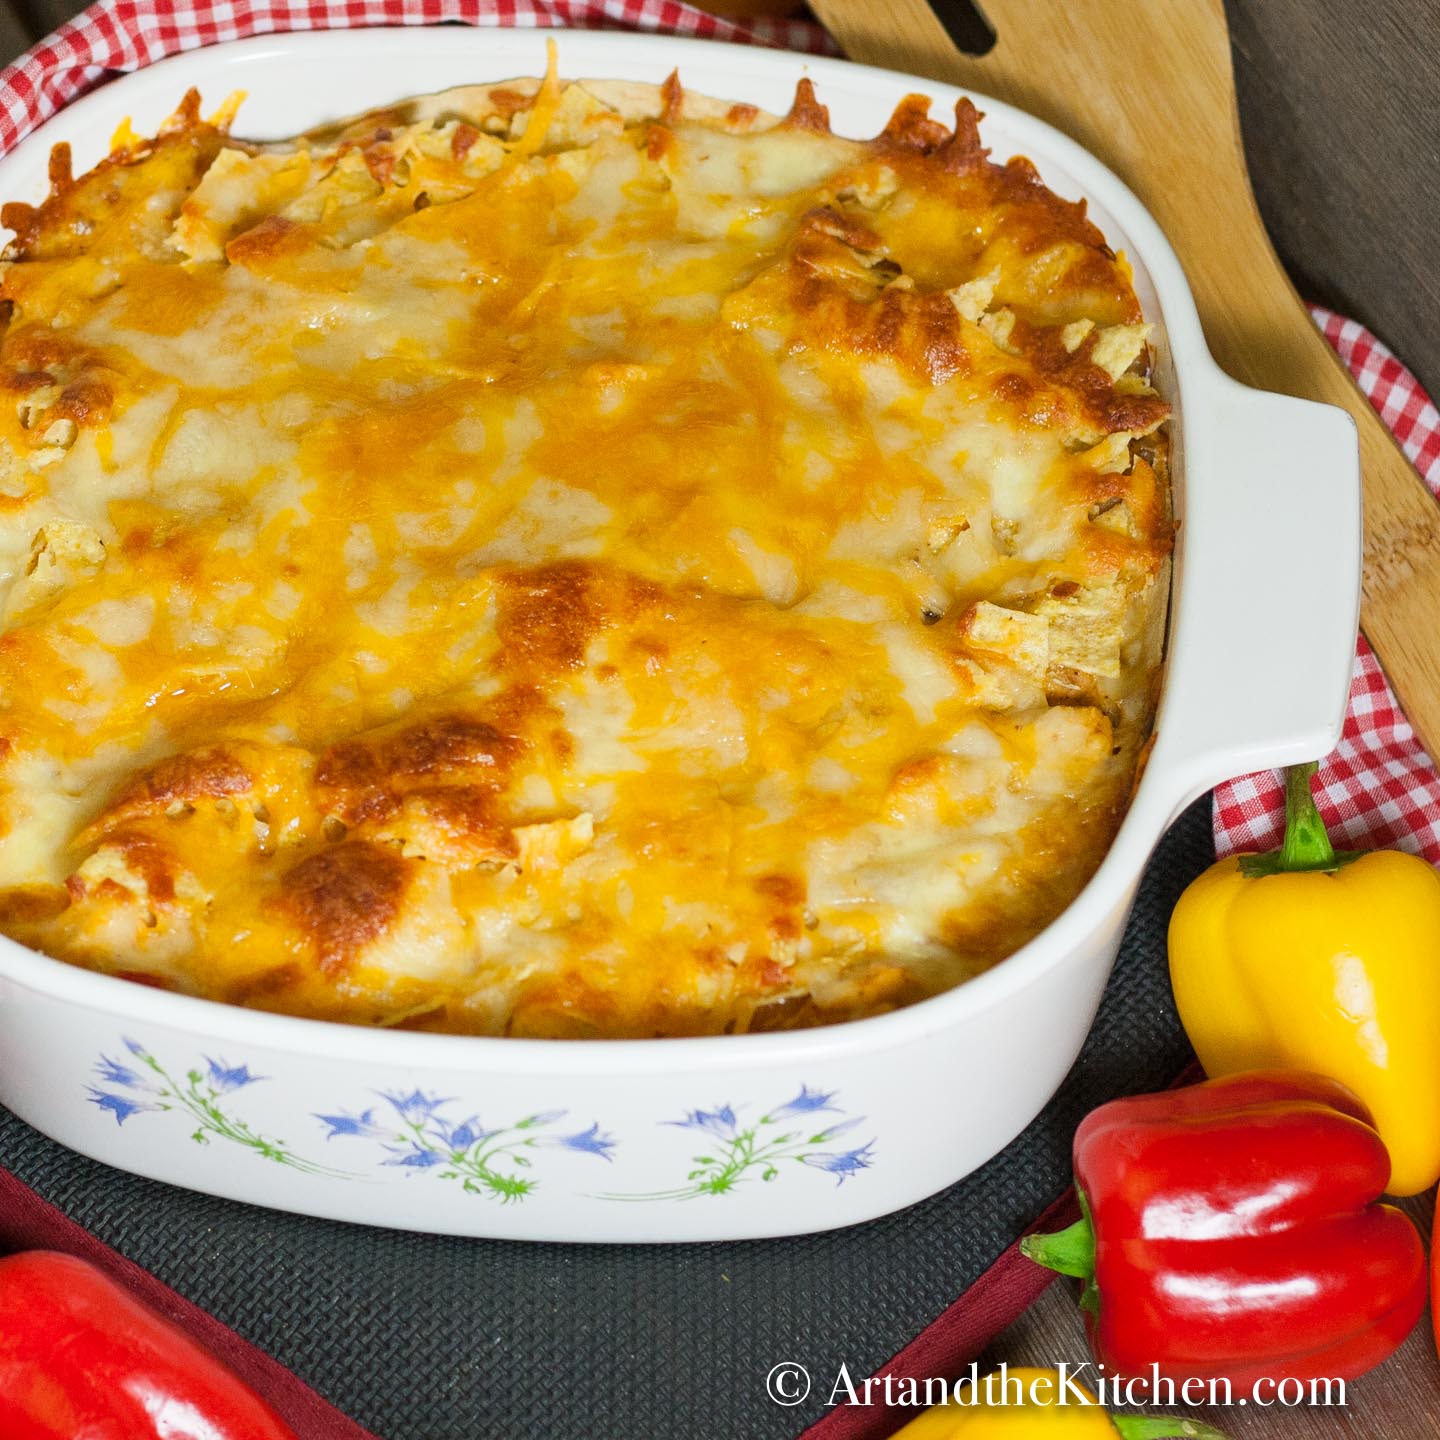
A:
(567, 560)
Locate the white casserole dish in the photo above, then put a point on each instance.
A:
(729, 1137)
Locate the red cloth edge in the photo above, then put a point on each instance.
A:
(29, 1223)
(958, 1335)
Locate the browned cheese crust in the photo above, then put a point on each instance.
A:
(568, 560)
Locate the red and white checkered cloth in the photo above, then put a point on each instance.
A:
(1379, 788)
(130, 34)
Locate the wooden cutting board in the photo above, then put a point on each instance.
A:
(1150, 90)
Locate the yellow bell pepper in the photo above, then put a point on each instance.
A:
(1034, 1410)
(1305, 959)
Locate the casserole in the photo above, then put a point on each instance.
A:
(568, 560)
(768, 1133)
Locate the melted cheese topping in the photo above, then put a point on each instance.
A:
(567, 560)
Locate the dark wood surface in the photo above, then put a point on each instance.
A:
(1340, 111)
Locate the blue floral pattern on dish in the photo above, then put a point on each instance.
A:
(786, 1133)
(127, 1089)
(418, 1131)
(413, 1131)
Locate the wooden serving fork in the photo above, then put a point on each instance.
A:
(1149, 89)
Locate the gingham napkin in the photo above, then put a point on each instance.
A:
(130, 34)
(1379, 788)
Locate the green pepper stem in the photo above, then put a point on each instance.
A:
(1306, 845)
(1068, 1252)
(1162, 1427)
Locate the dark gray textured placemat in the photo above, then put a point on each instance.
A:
(422, 1337)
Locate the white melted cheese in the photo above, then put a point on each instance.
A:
(555, 564)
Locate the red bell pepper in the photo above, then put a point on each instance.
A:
(1435, 1280)
(80, 1359)
(1230, 1230)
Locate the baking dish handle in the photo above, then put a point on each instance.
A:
(1267, 594)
